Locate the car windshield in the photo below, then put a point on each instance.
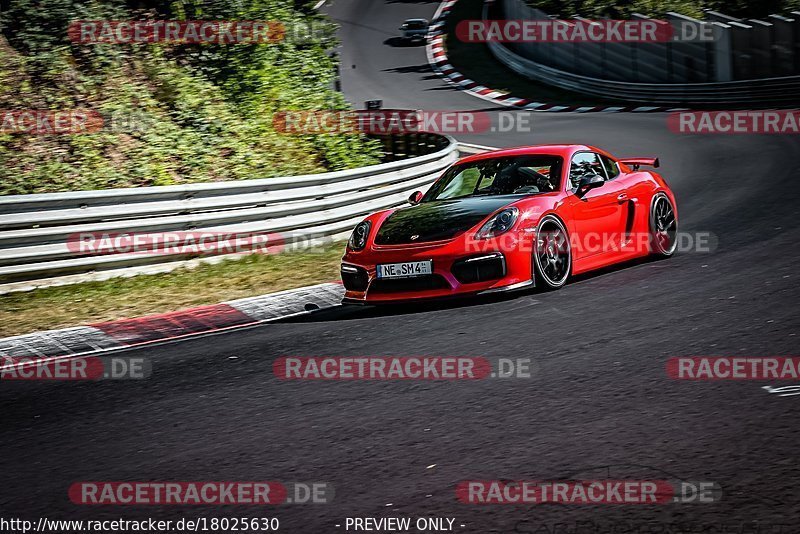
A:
(518, 175)
(416, 25)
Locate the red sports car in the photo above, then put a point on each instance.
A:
(509, 219)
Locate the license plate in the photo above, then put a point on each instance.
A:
(405, 269)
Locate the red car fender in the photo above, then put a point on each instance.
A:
(377, 220)
(536, 209)
(657, 185)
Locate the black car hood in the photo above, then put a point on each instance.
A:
(437, 220)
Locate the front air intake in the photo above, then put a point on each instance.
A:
(354, 278)
(479, 268)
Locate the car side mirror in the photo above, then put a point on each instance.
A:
(403, 27)
(415, 198)
(589, 182)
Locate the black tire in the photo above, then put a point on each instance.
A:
(663, 226)
(552, 255)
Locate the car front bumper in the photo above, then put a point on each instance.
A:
(456, 272)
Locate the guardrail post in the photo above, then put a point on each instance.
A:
(651, 58)
(723, 56)
(690, 55)
(413, 144)
(741, 50)
(593, 57)
(761, 48)
(783, 45)
(796, 40)
(388, 151)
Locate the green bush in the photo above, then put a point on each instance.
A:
(173, 113)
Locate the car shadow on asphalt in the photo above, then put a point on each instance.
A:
(347, 312)
(399, 42)
(613, 269)
(411, 69)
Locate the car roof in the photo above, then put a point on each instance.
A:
(564, 151)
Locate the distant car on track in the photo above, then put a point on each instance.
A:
(414, 30)
(510, 219)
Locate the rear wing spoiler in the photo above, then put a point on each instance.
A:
(637, 162)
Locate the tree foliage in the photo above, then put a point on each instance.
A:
(173, 113)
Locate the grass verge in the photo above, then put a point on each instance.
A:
(65, 306)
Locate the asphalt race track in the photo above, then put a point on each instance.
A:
(598, 405)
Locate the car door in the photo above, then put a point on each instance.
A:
(598, 215)
(628, 192)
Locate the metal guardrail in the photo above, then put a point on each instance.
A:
(770, 91)
(558, 65)
(35, 229)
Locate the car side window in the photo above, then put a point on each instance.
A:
(462, 184)
(583, 164)
(611, 167)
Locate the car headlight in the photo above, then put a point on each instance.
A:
(358, 239)
(498, 224)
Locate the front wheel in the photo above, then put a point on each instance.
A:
(663, 226)
(552, 255)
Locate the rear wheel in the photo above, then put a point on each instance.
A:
(552, 256)
(663, 226)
